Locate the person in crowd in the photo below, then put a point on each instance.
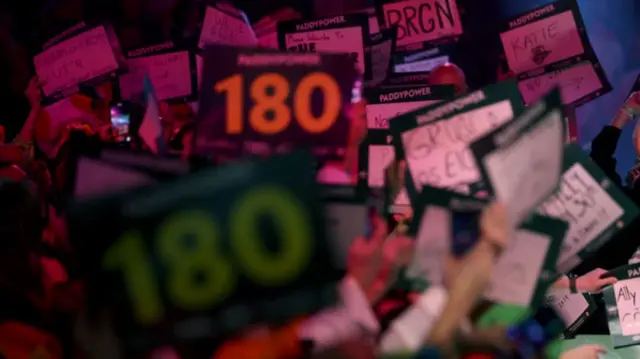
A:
(449, 74)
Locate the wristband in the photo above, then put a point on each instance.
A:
(629, 111)
(572, 285)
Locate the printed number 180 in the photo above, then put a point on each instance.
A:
(269, 92)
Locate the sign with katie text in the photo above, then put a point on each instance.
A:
(225, 25)
(255, 100)
(521, 161)
(580, 83)
(435, 140)
(172, 72)
(378, 55)
(550, 37)
(346, 34)
(421, 21)
(595, 208)
(199, 251)
(384, 104)
(82, 54)
(622, 305)
(522, 271)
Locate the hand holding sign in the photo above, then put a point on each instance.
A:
(593, 282)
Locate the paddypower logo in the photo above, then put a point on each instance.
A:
(474, 98)
(401, 95)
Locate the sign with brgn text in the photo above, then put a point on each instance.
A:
(421, 21)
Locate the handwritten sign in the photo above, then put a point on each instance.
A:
(226, 26)
(435, 140)
(622, 305)
(573, 309)
(628, 306)
(385, 104)
(419, 21)
(593, 206)
(544, 36)
(340, 34)
(254, 99)
(578, 84)
(521, 161)
(169, 72)
(84, 55)
(378, 56)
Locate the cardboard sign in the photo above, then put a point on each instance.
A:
(198, 249)
(421, 21)
(82, 54)
(435, 140)
(552, 34)
(346, 34)
(172, 71)
(225, 25)
(622, 305)
(255, 98)
(423, 60)
(521, 161)
(385, 104)
(521, 273)
(347, 214)
(595, 208)
(378, 56)
(574, 309)
(580, 83)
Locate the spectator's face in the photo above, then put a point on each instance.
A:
(449, 75)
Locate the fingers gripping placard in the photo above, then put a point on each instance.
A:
(623, 306)
(178, 255)
(257, 96)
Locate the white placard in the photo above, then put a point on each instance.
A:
(585, 205)
(438, 153)
(380, 61)
(224, 29)
(628, 304)
(425, 65)
(345, 222)
(341, 40)
(575, 83)
(378, 115)
(170, 75)
(525, 172)
(75, 60)
(543, 42)
(570, 307)
(516, 273)
(422, 20)
(432, 245)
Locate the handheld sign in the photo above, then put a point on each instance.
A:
(573, 308)
(225, 25)
(347, 215)
(262, 97)
(521, 273)
(435, 140)
(378, 56)
(387, 103)
(209, 253)
(521, 161)
(83, 54)
(580, 83)
(172, 72)
(622, 305)
(595, 208)
(549, 37)
(341, 34)
(421, 21)
(423, 60)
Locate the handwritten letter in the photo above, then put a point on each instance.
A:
(423, 20)
(542, 42)
(628, 304)
(438, 154)
(224, 29)
(378, 115)
(75, 60)
(575, 83)
(586, 206)
(170, 75)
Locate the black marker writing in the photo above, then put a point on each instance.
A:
(522, 46)
(423, 19)
(310, 47)
(626, 295)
